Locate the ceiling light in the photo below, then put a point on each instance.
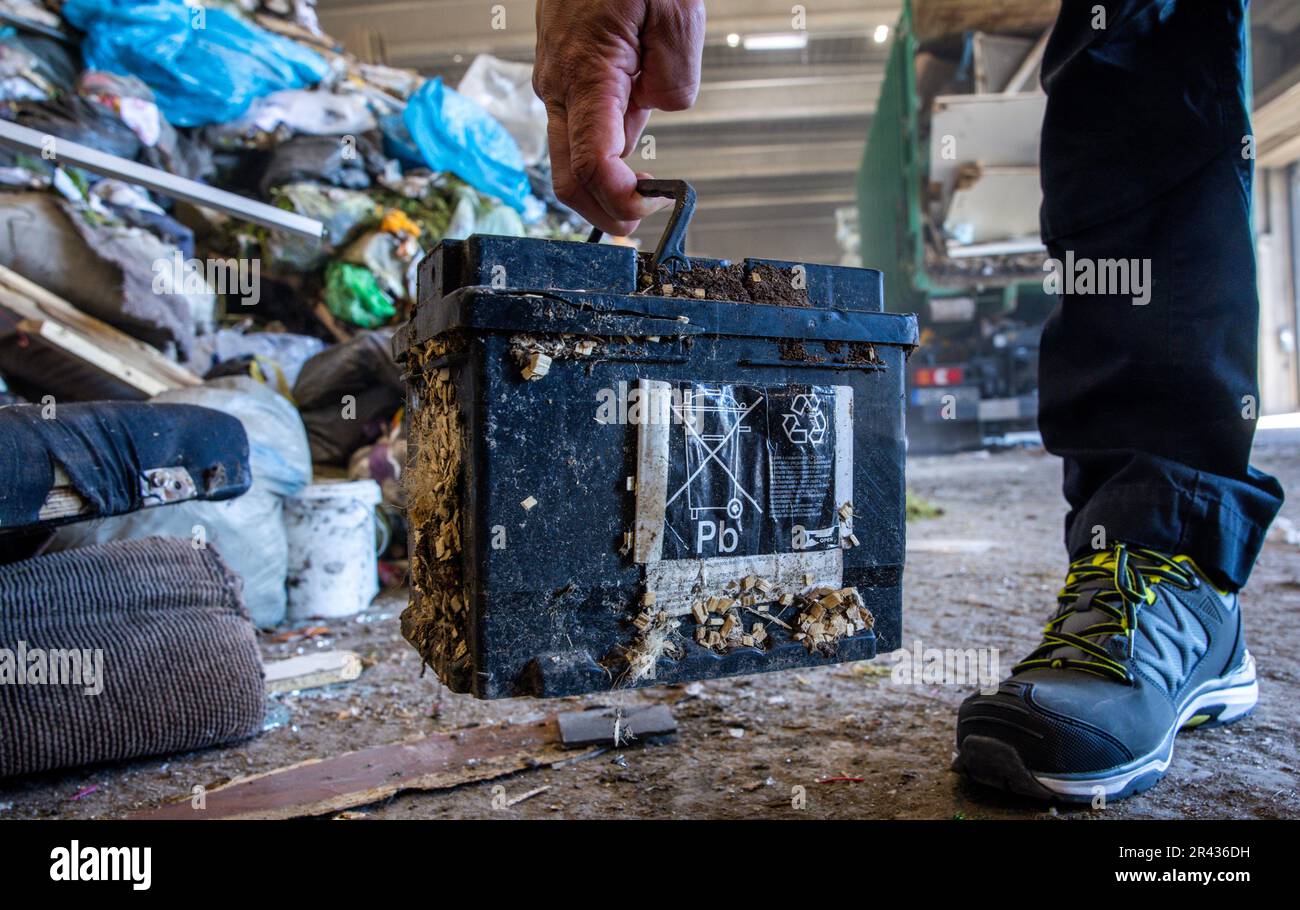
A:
(733, 40)
(882, 34)
(788, 41)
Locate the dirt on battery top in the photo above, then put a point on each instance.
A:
(765, 284)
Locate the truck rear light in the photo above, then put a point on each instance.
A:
(932, 376)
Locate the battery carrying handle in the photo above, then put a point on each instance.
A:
(671, 251)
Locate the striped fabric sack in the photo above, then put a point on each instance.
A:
(126, 649)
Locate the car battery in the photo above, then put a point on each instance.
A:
(631, 469)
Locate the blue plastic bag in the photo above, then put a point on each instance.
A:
(452, 133)
(204, 65)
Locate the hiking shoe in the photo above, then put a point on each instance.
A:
(1142, 646)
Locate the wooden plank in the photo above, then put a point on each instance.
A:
(36, 359)
(29, 301)
(44, 304)
(76, 346)
(436, 762)
(311, 671)
(1281, 152)
(63, 502)
(324, 786)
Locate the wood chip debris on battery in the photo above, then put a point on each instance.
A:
(535, 354)
(537, 367)
(658, 637)
(438, 611)
(824, 615)
(848, 540)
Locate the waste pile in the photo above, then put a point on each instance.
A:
(114, 289)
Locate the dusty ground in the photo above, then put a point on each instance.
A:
(983, 575)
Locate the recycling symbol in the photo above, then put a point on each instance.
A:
(805, 422)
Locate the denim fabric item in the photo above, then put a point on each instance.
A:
(1149, 405)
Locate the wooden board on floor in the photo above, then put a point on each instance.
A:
(324, 786)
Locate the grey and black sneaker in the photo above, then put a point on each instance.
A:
(1142, 646)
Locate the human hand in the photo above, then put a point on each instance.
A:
(602, 66)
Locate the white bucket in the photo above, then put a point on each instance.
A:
(332, 562)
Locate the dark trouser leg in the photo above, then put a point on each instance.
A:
(1152, 406)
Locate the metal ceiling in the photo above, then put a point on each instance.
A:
(1276, 45)
(774, 141)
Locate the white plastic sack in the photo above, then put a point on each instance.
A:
(313, 113)
(279, 353)
(505, 89)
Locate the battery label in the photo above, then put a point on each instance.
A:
(744, 470)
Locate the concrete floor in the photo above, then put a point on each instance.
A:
(983, 575)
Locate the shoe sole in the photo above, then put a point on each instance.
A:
(995, 763)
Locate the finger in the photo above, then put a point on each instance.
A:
(595, 115)
(672, 42)
(567, 188)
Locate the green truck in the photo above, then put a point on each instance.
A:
(948, 198)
